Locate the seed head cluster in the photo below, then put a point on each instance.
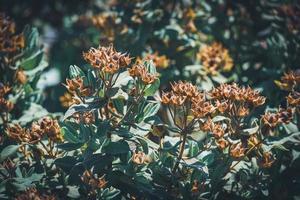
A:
(237, 150)
(107, 59)
(44, 127)
(84, 117)
(160, 61)
(139, 157)
(215, 58)
(293, 99)
(9, 40)
(5, 105)
(235, 100)
(289, 81)
(186, 93)
(76, 86)
(139, 70)
(93, 181)
(33, 193)
(272, 120)
(68, 100)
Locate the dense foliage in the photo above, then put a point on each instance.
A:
(158, 100)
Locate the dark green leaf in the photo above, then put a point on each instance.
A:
(119, 147)
(8, 151)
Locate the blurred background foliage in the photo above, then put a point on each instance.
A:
(262, 36)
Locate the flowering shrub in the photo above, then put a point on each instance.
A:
(22, 148)
(175, 117)
(112, 141)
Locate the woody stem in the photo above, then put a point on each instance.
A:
(4, 119)
(180, 151)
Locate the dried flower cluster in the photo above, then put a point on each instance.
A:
(76, 87)
(215, 58)
(272, 120)
(236, 101)
(107, 59)
(139, 70)
(180, 93)
(291, 14)
(9, 40)
(85, 117)
(237, 150)
(266, 160)
(108, 25)
(94, 182)
(214, 127)
(229, 100)
(289, 81)
(139, 158)
(160, 61)
(44, 127)
(189, 17)
(293, 99)
(189, 98)
(5, 105)
(68, 100)
(34, 194)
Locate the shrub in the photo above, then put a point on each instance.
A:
(178, 117)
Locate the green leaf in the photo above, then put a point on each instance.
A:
(97, 161)
(119, 105)
(23, 183)
(31, 38)
(144, 145)
(35, 72)
(150, 110)
(85, 132)
(75, 72)
(122, 79)
(32, 61)
(69, 146)
(73, 192)
(88, 106)
(66, 163)
(193, 148)
(119, 147)
(92, 81)
(75, 173)
(151, 89)
(291, 128)
(150, 67)
(206, 84)
(154, 120)
(219, 118)
(123, 132)
(70, 136)
(103, 128)
(110, 193)
(8, 151)
(219, 78)
(293, 138)
(208, 159)
(250, 131)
